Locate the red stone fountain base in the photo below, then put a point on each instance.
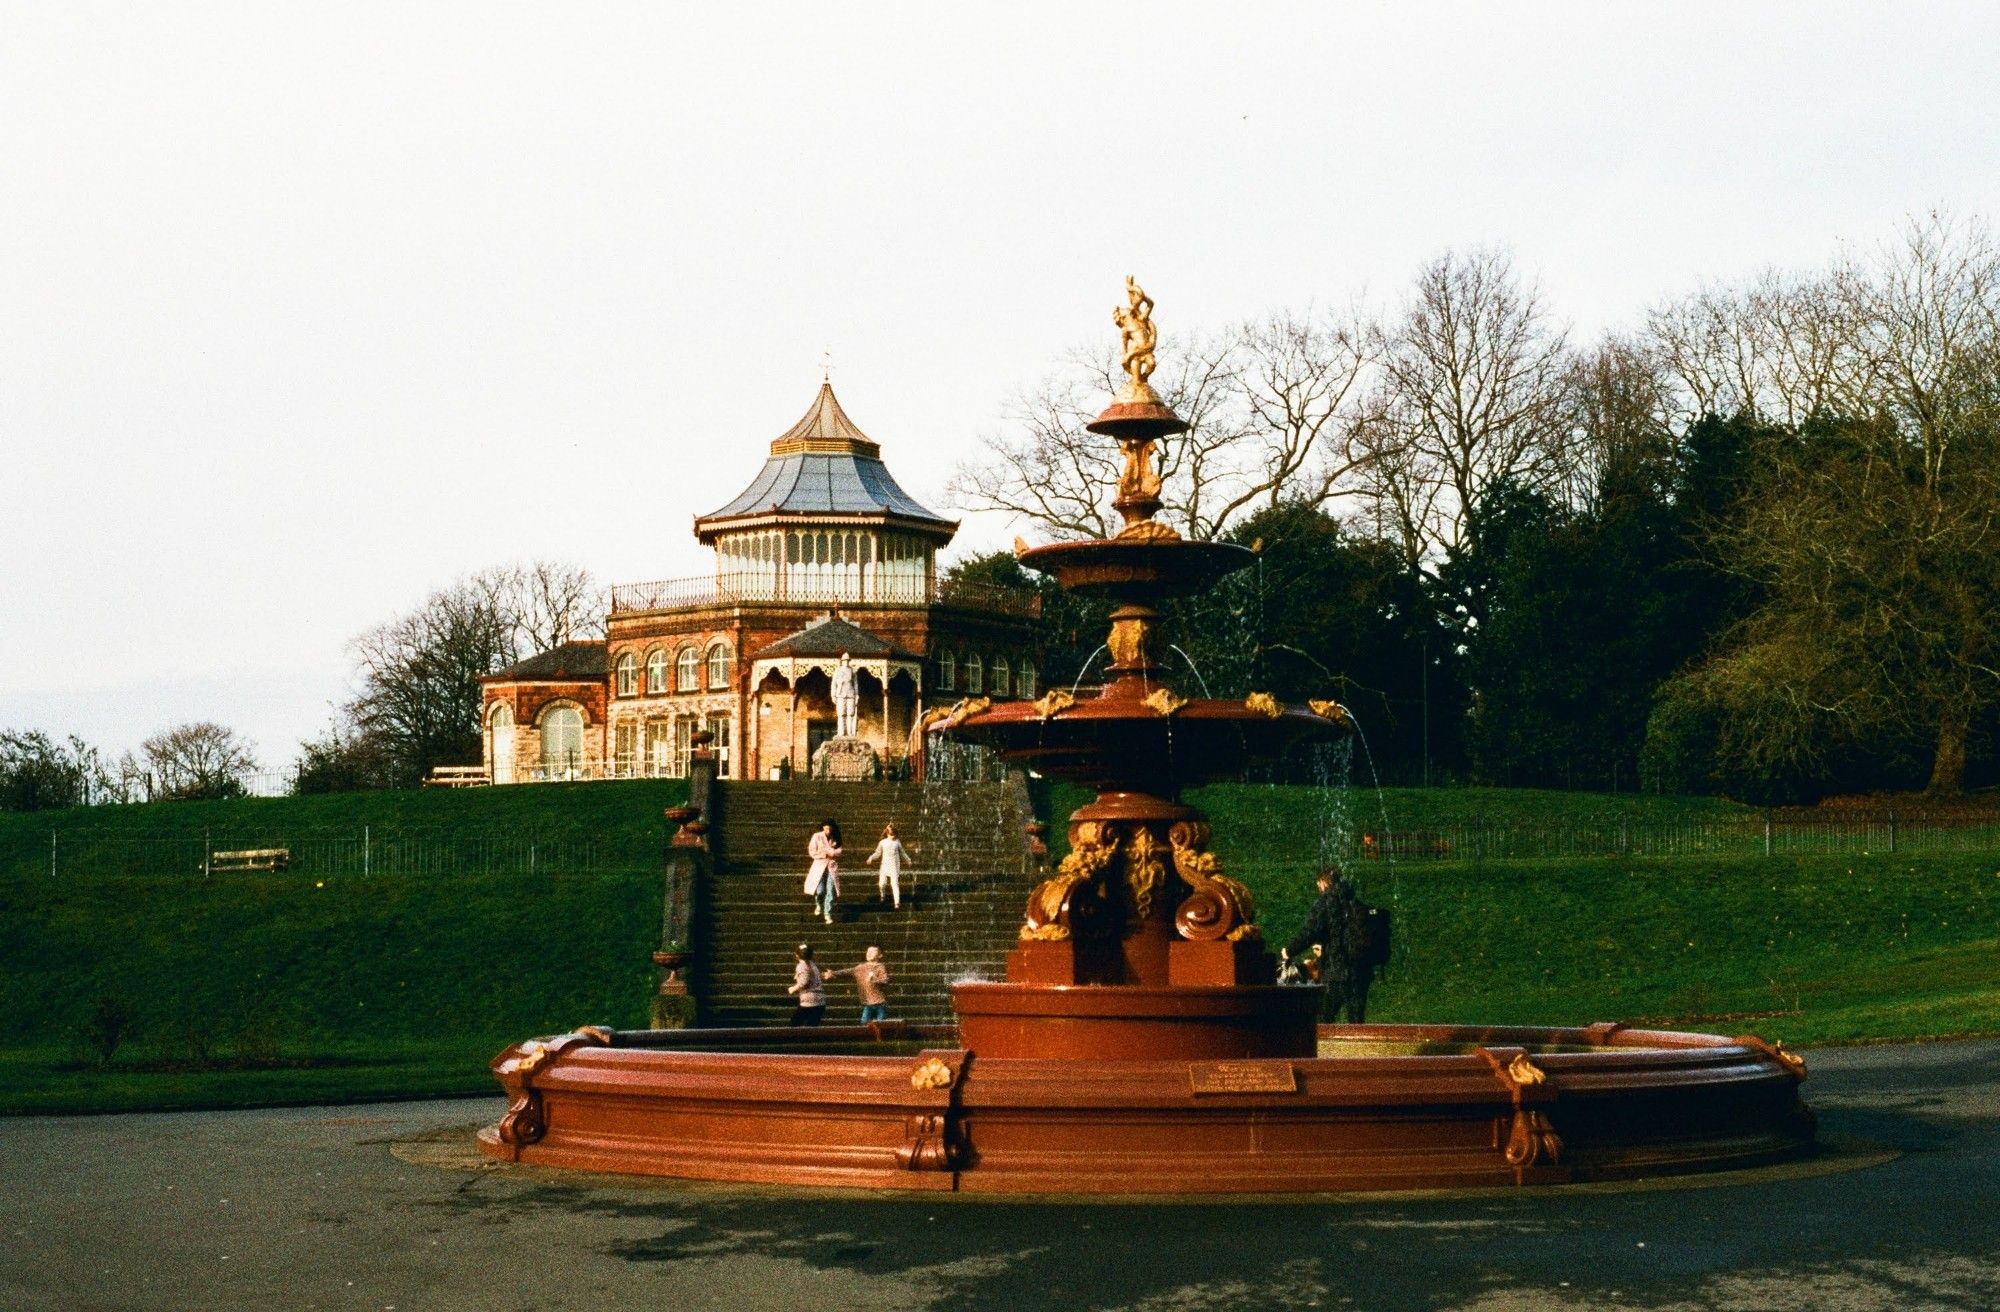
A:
(1415, 1107)
(1091, 1022)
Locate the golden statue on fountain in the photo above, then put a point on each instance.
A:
(1139, 482)
(1139, 338)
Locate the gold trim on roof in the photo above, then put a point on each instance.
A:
(826, 446)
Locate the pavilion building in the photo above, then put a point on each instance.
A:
(822, 555)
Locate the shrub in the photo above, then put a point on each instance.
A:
(107, 1027)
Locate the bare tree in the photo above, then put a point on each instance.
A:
(1047, 470)
(1784, 348)
(1043, 467)
(1300, 382)
(1469, 393)
(1267, 406)
(1619, 417)
(546, 603)
(1877, 537)
(199, 760)
(419, 675)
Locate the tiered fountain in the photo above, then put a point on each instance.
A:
(1140, 1043)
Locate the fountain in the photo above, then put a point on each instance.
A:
(1140, 1042)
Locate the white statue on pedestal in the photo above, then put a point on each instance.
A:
(846, 700)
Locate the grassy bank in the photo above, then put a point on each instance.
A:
(328, 986)
(420, 831)
(297, 979)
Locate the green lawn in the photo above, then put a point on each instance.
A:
(330, 985)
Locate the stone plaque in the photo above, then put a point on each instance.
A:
(1242, 1077)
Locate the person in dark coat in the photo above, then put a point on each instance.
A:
(1326, 927)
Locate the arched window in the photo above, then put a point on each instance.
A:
(719, 661)
(947, 671)
(975, 674)
(500, 764)
(1002, 678)
(628, 675)
(656, 670)
(562, 742)
(688, 670)
(1024, 679)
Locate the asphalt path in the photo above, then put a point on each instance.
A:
(384, 1207)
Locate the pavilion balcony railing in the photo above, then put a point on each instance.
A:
(851, 586)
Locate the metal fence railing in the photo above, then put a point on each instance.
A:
(856, 586)
(1767, 835)
(364, 850)
(439, 850)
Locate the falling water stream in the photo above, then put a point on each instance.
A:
(1194, 670)
(1084, 671)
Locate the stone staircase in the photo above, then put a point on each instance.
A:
(962, 894)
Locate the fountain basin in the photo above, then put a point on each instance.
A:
(1100, 740)
(1424, 1107)
(1136, 570)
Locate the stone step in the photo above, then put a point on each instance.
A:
(962, 896)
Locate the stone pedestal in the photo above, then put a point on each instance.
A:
(850, 760)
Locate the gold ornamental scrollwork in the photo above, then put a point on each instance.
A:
(1793, 1064)
(528, 1059)
(1328, 710)
(932, 1074)
(1129, 640)
(1263, 703)
(1148, 530)
(1053, 703)
(1073, 898)
(1217, 907)
(969, 707)
(1145, 871)
(1525, 1072)
(1163, 702)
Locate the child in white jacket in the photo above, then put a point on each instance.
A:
(891, 854)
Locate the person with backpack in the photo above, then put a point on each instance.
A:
(1343, 928)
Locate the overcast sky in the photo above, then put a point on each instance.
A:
(305, 310)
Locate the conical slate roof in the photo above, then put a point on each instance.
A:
(824, 465)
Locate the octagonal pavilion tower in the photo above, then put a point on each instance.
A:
(823, 554)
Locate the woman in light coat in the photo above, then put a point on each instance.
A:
(823, 879)
(891, 853)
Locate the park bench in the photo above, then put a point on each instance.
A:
(456, 776)
(254, 858)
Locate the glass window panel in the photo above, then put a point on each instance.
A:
(562, 743)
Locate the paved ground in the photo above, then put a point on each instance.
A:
(372, 1208)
